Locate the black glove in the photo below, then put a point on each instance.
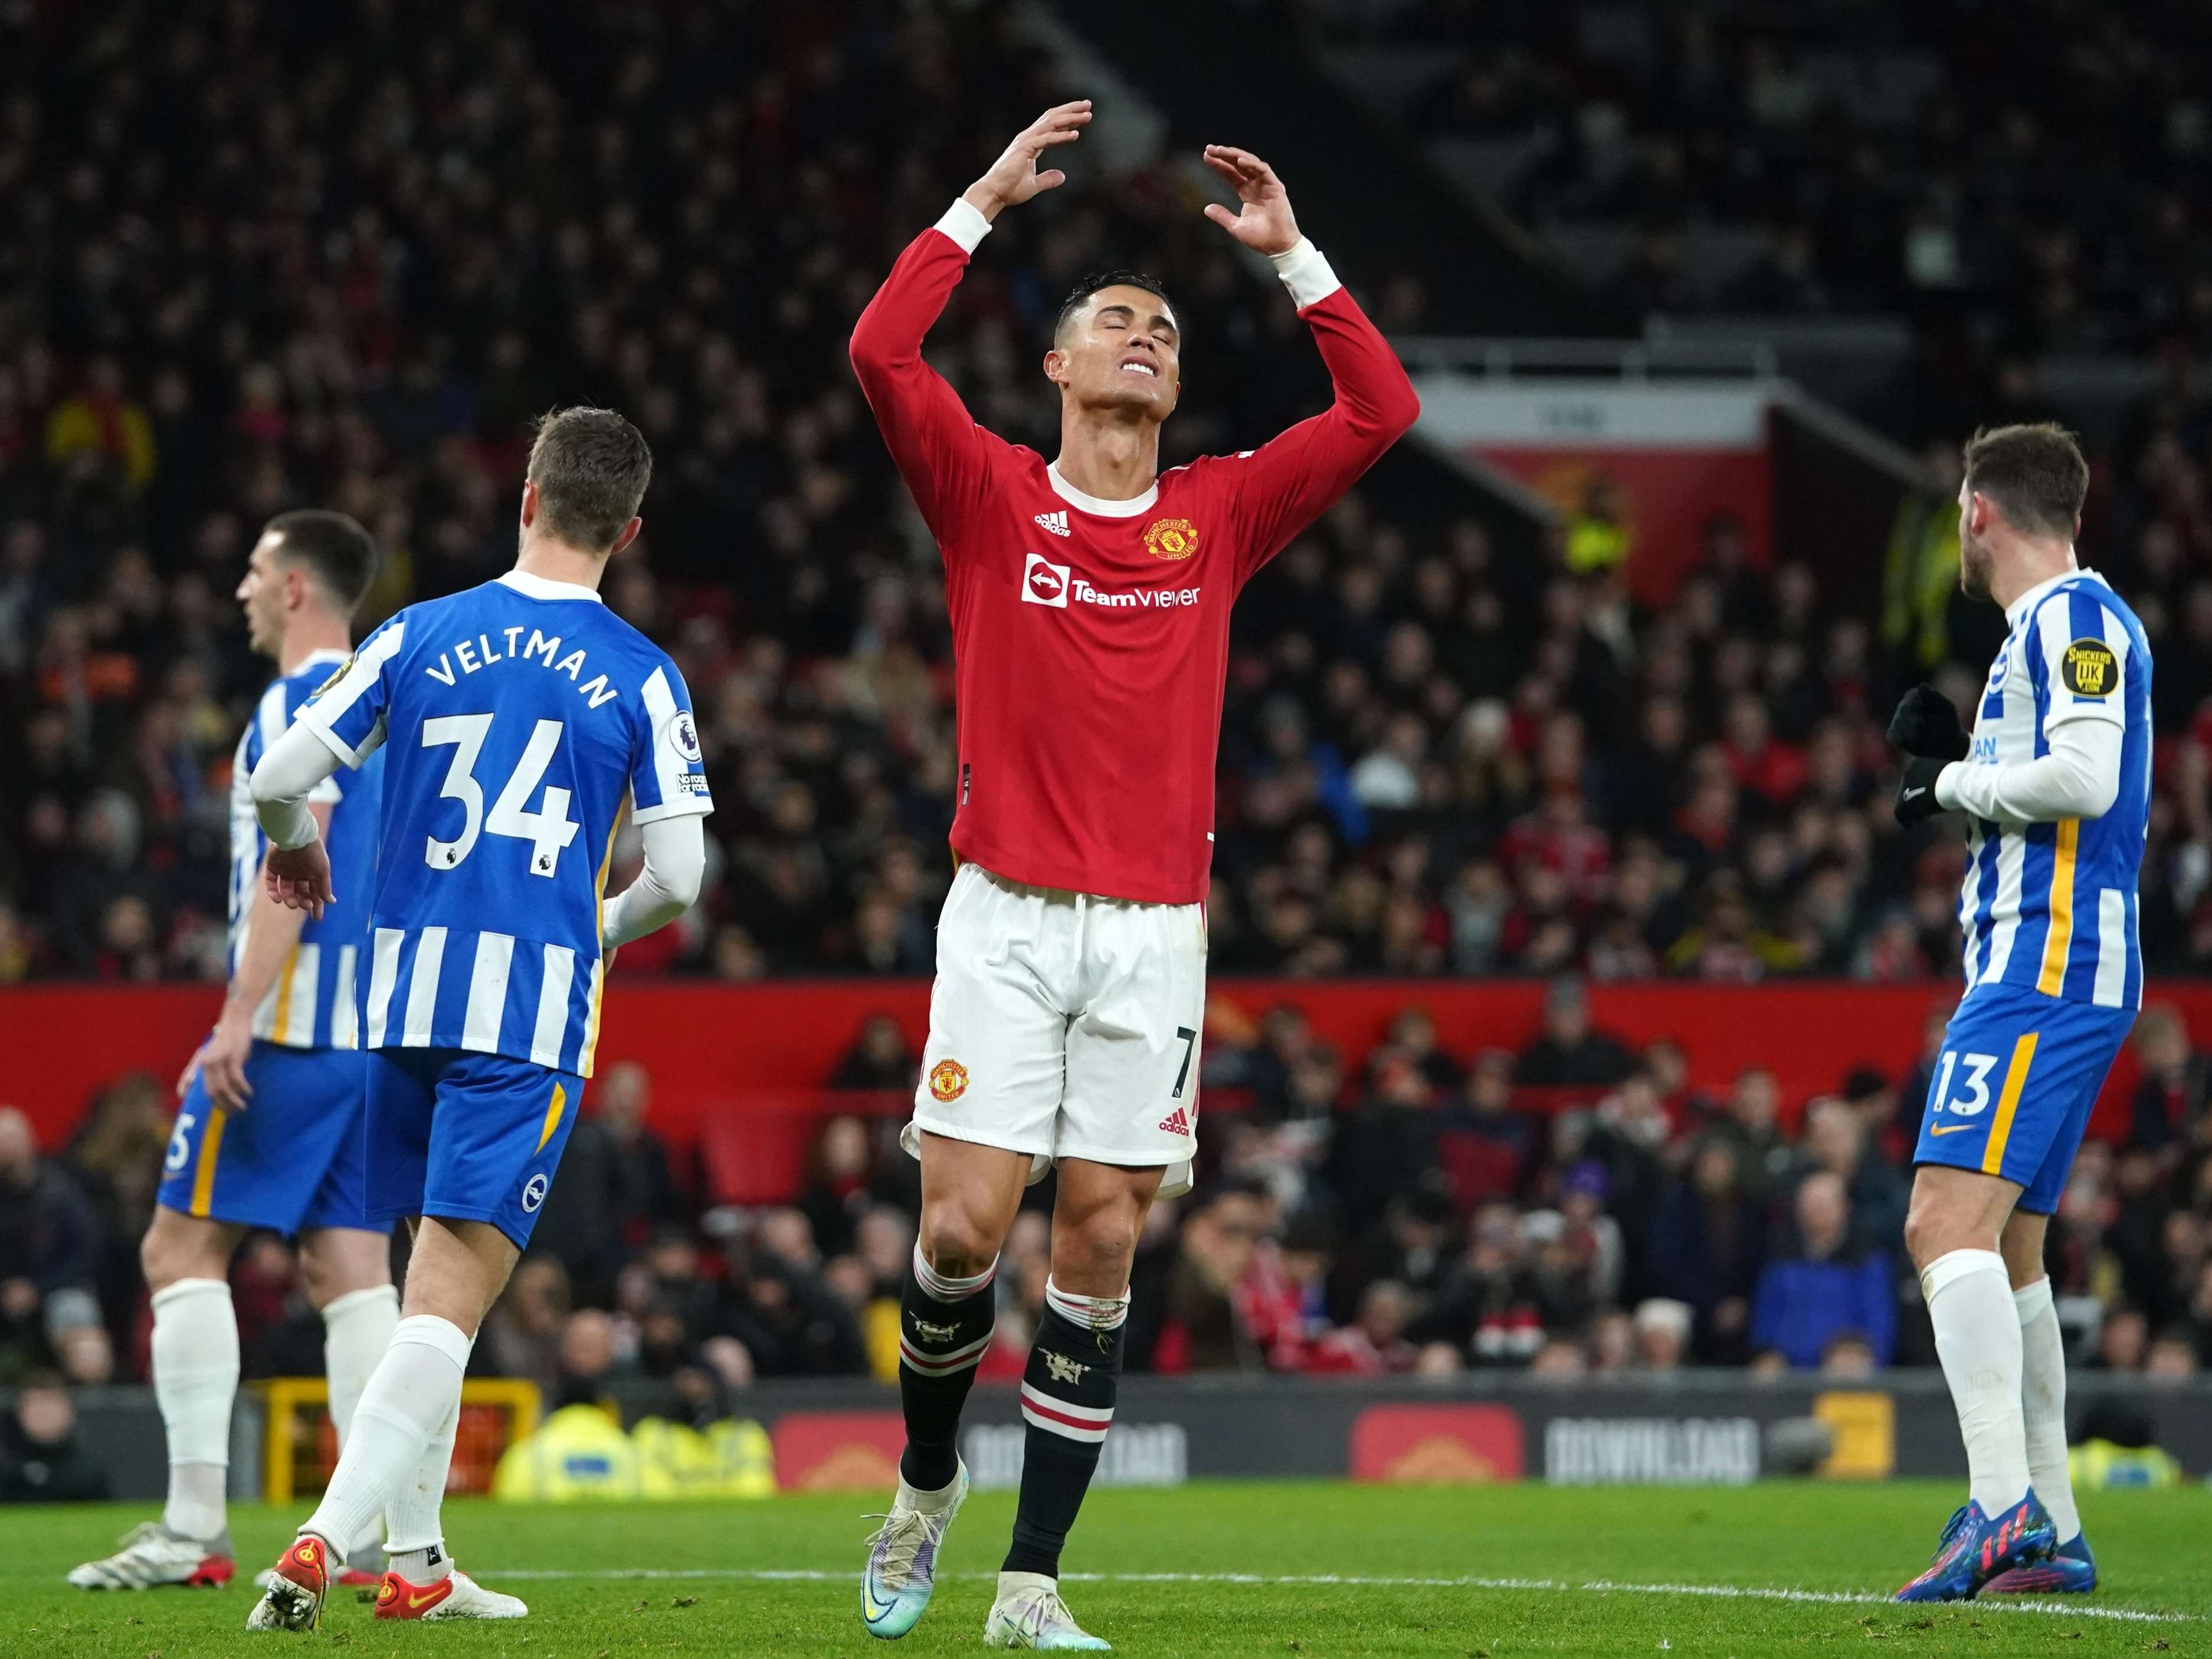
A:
(1916, 790)
(1926, 724)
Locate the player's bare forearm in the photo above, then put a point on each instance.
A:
(271, 934)
(270, 937)
(1013, 178)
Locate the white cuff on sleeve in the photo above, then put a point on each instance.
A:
(1949, 774)
(1304, 271)
(965, 222)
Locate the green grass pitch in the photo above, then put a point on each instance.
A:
(1276, 1568)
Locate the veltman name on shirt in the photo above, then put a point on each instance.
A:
(474, 655)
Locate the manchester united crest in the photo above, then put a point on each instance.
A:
(948, 1080)
(1171, 538)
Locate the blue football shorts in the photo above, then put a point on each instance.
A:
(292, 1160)
(466, 1137)
(2014, 1085)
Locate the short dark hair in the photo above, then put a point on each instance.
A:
(591, 467)
(1090, 284)
(336, 551)
(2035, 474)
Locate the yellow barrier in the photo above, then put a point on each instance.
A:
(300, 1449)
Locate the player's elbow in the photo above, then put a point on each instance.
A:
(2097, 799)
(263, 784)
(1402, 408)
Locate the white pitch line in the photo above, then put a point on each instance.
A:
(1595, 1586)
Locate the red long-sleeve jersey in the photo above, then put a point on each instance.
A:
(1091, 639)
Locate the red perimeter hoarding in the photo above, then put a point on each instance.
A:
(716, 1048)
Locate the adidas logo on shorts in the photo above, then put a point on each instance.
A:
(1175, 1123)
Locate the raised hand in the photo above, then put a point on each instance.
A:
(301, 879)
(1927, 723)
(1265, 224)
(1013, 178)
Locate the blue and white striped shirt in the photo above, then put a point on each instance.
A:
(313, 1004)
(2053, 906)
(518, 718)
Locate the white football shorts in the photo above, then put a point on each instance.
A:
(1065, 1026)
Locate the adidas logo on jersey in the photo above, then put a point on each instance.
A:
(1175, 1123)
(1052, 523)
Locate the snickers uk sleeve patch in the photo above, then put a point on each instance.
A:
(2089, 668)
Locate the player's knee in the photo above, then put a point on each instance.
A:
(956, 1243)
(171, 1251)
(1929, 1233)
(1096, 1247)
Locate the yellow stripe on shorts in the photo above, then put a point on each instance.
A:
(2023, 1052)
(210, 1149)
(552, 1116)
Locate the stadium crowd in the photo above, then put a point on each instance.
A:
(350, 271)
(1854, 159)
(1574, 1208)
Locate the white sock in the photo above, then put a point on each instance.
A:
(2043, 1403)
(414, 1522)
(196, 1380)
(1977, 1338)
(415, 1389)
(356, 1330)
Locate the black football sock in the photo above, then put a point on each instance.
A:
(1067, 1400)
(945, 1326)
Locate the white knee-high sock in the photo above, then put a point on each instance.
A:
(415, 1387)
(356, 1330)
(195, 1382)
(1977, 1338)
(2043, 1402)
(414, 1523)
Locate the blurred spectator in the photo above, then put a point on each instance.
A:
(588, 1360)
(523, 1333)
(1848, 1356)
(1375, 1344)
(116, 1156)
(49, 1239)
(1663, 1334)
(2122, 1341)
(1708, 1246)
(836, 1193)
(1570, 1054)
(789, 1320)
(2169, 1113)
(1202, 1329)
(613, 1186)
(1834, 1139)
(1753, 1123)
(2172, 1355)
(878, 1058)
(1828, 1286)
(40, 1460)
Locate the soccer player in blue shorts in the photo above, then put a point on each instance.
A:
(269, 1131)
(518, 721)
(2055, 783)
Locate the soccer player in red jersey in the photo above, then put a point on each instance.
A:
(1090, 600)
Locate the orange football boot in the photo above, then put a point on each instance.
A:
(300, 1581)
